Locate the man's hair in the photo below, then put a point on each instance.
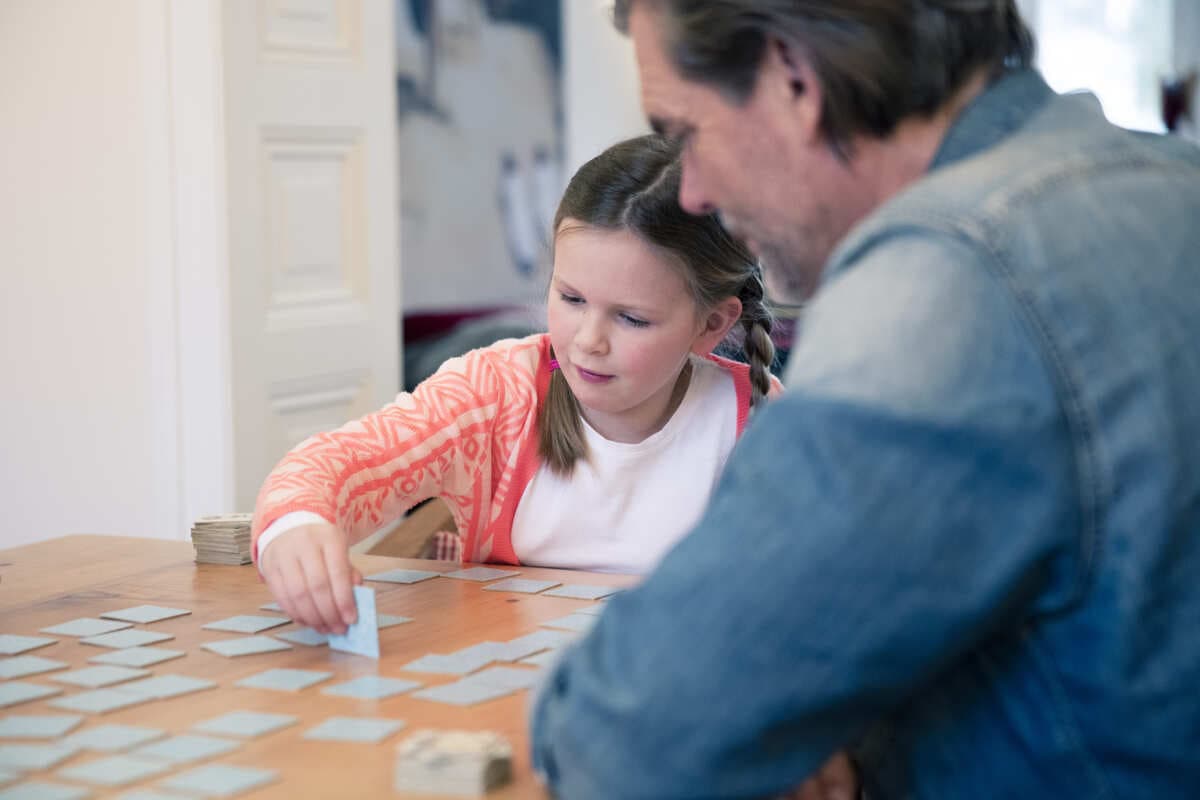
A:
(878, 61)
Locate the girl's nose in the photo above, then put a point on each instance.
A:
(590, 338)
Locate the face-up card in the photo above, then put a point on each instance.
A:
(113, 770)
(145, 614)
(246, 724)
(403, 576)
(354, 729)
(220, 780)
(32, 757)
(98, 701)
(304, 636)
(186, 749)
(119, 640)
(361, 638)
(24, 666)
(86, 626)
(16, 692)
(246, 623)
(99, 677)
(372, 687)
(462, 693)
(284, 680)
(113, 738)
(583, 591)
(161, 687)
(15, 645)
(581, 623)
(45, 790)
(37, 726)
(481, 574)
(137, 656)
(522, 585)
(246, 646)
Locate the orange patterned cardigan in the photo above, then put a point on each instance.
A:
(468, 435)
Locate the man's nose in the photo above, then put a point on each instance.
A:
(693, 194)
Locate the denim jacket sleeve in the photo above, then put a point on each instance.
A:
(910, 494)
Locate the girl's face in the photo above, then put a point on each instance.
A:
(622, 323)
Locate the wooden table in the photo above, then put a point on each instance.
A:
(83, 576)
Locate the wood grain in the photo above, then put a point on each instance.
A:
(55, 581)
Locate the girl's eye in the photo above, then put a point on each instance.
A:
(570, 298)
(634, 321)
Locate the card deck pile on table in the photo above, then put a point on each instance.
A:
(465, 763)
(222, 539)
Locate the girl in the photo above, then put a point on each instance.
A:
(594, 446)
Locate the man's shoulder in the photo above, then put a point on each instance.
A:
(1065, 158)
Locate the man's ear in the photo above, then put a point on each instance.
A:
(717, 322)
(789, 74)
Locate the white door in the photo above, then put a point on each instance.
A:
(310, 138)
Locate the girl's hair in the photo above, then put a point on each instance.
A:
(634, 186)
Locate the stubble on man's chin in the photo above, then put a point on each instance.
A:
(787, 282)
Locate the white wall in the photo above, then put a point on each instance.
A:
(88, 424)
(602, 103)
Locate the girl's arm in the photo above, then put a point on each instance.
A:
(370, 471)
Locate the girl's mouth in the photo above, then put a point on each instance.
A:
(593, 377)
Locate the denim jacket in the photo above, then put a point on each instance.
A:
(966, 541)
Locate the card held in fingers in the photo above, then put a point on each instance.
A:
(362, 637)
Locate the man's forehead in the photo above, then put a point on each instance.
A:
(662, 87)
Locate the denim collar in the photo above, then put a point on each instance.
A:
(1006, 105)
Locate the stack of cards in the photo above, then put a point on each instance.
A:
(465, 763)
(222, 539)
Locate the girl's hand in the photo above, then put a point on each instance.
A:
(836, 780)
(308, 571)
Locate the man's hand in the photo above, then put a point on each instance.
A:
(308, 571)
(836, 780)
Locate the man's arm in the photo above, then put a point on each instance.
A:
(912, 492)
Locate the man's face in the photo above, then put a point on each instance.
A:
(762, 164)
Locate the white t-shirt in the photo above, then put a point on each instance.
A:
(622, 510)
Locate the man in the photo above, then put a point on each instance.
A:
(965, 544)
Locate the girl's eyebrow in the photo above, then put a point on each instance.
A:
(641, 311)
